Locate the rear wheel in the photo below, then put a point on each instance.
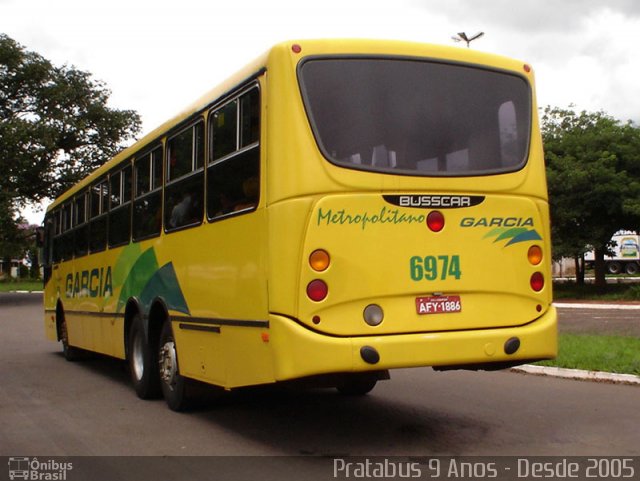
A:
(357, 384)
(70, 353)
(174, 386)
(143, 362)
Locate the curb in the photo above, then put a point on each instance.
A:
(578, 374)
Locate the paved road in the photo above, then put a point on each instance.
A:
(52, 407)
(616, 322)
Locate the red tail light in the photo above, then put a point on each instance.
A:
(435, 221)
(317, 290)
(537, 281)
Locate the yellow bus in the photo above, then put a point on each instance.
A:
(337, 209)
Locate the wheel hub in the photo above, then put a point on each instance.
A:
(168, 364)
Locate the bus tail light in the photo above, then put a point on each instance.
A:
(317, 290)
(319, 260)
(537, 281)
(534, 254)
(435, 221)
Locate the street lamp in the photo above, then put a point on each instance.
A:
(463, 37)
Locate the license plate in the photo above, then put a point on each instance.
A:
(438, 305)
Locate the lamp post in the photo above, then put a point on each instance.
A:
(462, 36)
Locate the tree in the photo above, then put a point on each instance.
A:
(55, 127)
(593, 171)
(10, 238)
(15, 240)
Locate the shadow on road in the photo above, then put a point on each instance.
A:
(322, 422)
(326, 423)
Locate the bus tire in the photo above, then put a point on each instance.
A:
(70, 353)
(142, 362)
(357, 384)
(174, 386)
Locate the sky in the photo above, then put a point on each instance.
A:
(158, 56)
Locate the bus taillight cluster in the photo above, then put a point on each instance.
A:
(534, 255)
(317, 289)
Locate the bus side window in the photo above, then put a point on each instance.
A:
(233, 174)
(98, 213)
(184, 190)
(66, 237)
(56, 256)
(81, 231)
(147, 206)
(120, 208)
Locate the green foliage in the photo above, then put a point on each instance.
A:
(55, 127)
(593, 172)
(17, 239)
(11, 240)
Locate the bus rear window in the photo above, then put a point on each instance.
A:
(416, 117)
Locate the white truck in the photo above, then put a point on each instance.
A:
(626, 254)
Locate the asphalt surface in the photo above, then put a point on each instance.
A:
(599, 321)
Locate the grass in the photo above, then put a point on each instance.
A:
(610, 292)
(616, 354)
(24, 285)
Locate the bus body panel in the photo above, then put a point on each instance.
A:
(287, 224)
(440, 349)
(223, 273)
(209, 280)
(385, 254)
(221, 267)
(85, 290)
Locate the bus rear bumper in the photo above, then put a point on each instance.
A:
(301, 352)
